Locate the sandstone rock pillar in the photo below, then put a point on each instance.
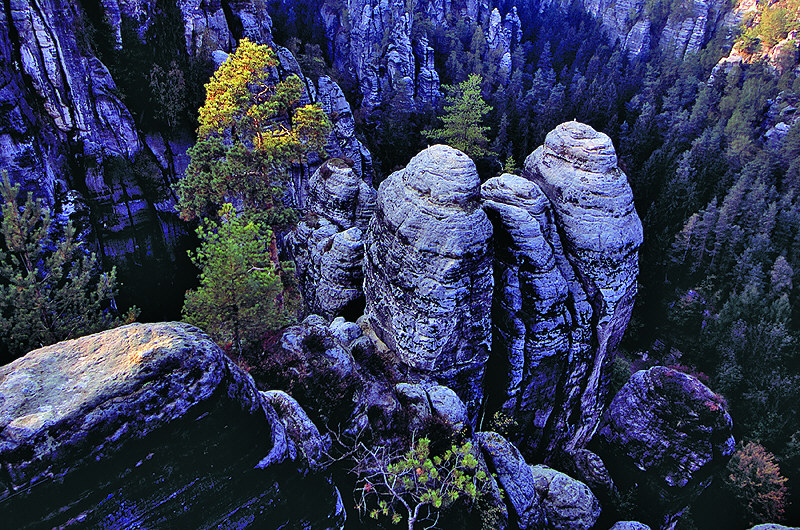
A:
(428, 271)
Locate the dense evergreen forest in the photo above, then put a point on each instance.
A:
(719, 288)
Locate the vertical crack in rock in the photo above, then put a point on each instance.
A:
(593, 208)
(566, 242)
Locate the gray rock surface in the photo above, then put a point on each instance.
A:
(428, 281)
(301, 430)
(90, 426)
(668, 433)
(593, 209)
(515, 477)
(568, 503)
(532, 322)
(328, 246)
(342, 141)
(377, 43)
(687, 29)
(629, 525)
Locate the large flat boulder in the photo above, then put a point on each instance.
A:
(147, 426)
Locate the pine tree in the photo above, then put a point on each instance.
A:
(242, 294)
(50, 288)
(464, 109)
(251, 132)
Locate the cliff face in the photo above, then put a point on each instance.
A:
(375, 42)
(685, 30)
(131, 427)
(70, 139)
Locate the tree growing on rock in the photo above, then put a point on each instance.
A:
(252, 129)
(464, 112)
(417, 485)
(51, 289)
(244, 292)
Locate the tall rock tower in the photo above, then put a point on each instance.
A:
(428, 271)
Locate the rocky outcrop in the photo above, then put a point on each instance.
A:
(428, 281)
(593, 210)
(133, 426)
(34, 156)
(540, 497)
(342, 142)
(515, 477)
(531, 319)
(566, 242)
(328, 246)
(568, 503)
(668, 433)
(687, 29)
(376, 43)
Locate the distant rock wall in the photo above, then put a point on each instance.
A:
(146, 426)
(372, 41)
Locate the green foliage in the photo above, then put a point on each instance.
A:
(775, 21)
(464, 111)
(250, 134)
(504, 424)
(50, 288)
(417, 484)
(755, 480)
(168, 89)
(242, 294)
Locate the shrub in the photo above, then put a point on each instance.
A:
(755, 479)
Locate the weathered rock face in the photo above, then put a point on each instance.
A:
(540, 497)
(342, 141)
(428, 280)
(515, 477)
(630, 525)
(531, 319)
(375, 41)
(566, 241)
(63, 125)
(132, 426)
(593, 209)
(568, 503)
(328, 246)
(687, 28)
(668, 433)
(34, 156)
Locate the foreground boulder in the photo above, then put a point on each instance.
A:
(667, 433)
(148, 426)
(428, 279)
(539, 497)
(568, 503)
